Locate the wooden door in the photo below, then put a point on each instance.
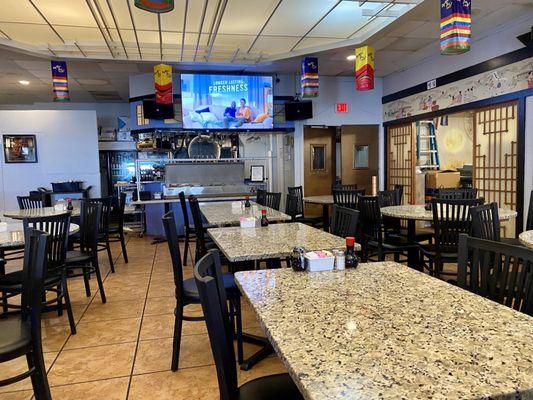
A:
(359, 155)
(319, 164)
(401, 160)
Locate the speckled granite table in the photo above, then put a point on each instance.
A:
(273, 241)
(526, 238)
(14, 236)
(326, 201)
(419, 213)
(220, 213)
(385, 331)
(38, 212)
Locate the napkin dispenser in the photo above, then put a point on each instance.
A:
(247, 222)
(318, 261)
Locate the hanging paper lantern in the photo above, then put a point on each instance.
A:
(60, 81)
(155, 6)
(364, 68)
(455, 26)
(309, 79)
(163, 84)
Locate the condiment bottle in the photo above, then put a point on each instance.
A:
(247, 201)
(351, 260)
(264, 220)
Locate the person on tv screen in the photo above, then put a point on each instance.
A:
(243, 114)
(229, 114)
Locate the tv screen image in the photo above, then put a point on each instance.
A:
(226, 101)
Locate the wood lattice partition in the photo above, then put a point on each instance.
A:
(496, 158)
(401, 159)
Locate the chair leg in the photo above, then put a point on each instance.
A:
(109, 256)
(59, 301)
(99, 278)
(186, 249)
(68, 304)
(240, 346)
(86, 281)
(178, 324)
(39, 379)
(123, 245)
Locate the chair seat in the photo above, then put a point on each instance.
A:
(15, 338)
(76, 256)
(394, 243)
(14, 280)
(430, 250)
(191, 290)
(279, 387)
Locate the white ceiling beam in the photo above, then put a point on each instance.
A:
(217, 26)
(93, 12)
(184, 28)
(114, 17)
(264, 26)
(202, 19)
(134, 28)
(365, 12)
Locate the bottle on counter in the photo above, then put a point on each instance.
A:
(339, 260)
(70, 207)
(427, 206)
(264, 220)
(247, 201)
(351, 259)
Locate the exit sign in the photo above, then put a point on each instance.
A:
(341, 107)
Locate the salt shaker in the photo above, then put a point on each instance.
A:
(339, 260)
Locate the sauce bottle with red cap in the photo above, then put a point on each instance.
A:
(351, 260)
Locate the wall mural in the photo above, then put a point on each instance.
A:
(507, 79)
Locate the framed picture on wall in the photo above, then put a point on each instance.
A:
(20, 148)
(257, 173)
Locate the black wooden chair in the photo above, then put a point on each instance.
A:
(189, 231)
(84, 261)
(187, 293)
(260, 197)
(21, 335)
(376, 241)
(209, 281)
(55, 280)
(529, 221)
(30, 202)
(498, 271)
(116, 225)
(450, 219)
(203, 243)
(272, 200)
(344, 221)
(486, 224)
(343, 187)
(299, 209)
(347, 197)
(399, 193)
(103, 230)
(457, 194)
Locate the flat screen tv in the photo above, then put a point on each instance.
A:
(152, 110)
(298, 110)
(226, 101)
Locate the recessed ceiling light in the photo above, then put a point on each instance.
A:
(25, 83)
(351, 57)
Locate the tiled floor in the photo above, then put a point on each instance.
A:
(123, 348)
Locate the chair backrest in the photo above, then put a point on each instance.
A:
(57, 227)
(121, 208)
(498, 271)
(344, 187)
(208, 276)
(198, 227)
(107, 203)
(529, 221)
(272, 200)
(29, 202)
(344, 221)
(399, 193)
(299, 193)
(347, 198)
(183, 204)
(388, 198)
(291, 206)
(260, 197)
(486, 222)
(90, 218)
(457, 194)
(450, 219)
(169, 223)
(371, 223)
(36, 243)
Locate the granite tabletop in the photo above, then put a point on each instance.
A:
(385, 331)
(526, 238)
(419, 213)
(14, 236)
(38, 212)
(273, 241)
(324, 199)
(220, 213)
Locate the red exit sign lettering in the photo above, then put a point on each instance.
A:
(341, 107)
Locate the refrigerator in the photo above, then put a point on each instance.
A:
(117, 163)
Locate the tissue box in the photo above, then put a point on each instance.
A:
(3, 226)
(247, 222)
(60, 207)
(319, 261)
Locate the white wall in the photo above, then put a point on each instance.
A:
(498, 42)
(67, 148)
(106, 113)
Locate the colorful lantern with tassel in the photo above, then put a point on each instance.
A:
(455, 26)
(155, 6)
(309, 79)
(60, 81)
(364, 68)
(163, 84)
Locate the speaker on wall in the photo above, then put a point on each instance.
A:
(298, 110)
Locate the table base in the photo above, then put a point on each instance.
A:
(259, 355)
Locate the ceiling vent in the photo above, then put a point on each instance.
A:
(105, 96)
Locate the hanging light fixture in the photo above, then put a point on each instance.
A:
(155, 6)
(364, 68)
(455, 26)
